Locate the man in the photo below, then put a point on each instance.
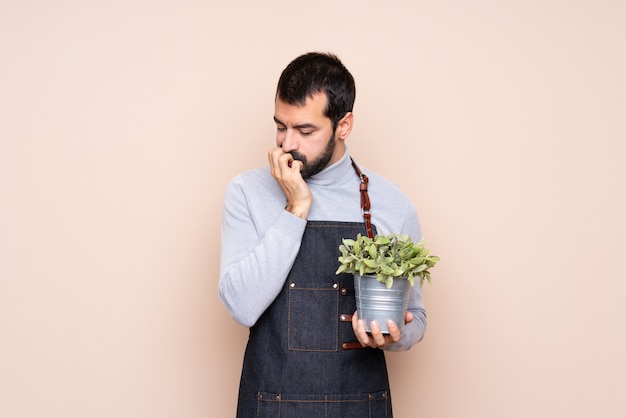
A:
(308, 354)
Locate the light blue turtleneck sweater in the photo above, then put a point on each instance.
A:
(260, 239)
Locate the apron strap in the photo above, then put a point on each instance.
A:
(365, 200)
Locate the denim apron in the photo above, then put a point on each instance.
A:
(302, 357)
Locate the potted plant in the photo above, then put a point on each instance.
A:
(384, 269)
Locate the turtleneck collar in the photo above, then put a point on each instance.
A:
(338, 173)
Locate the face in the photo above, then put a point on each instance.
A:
(305, 133)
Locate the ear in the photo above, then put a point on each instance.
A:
(344, 127)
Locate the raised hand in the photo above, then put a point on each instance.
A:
(286, 171)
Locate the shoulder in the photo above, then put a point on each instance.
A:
(392, 210)
(253, 186)
(254, 175)
(258, 179)
(385, 188)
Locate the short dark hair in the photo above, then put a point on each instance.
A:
(314, 73)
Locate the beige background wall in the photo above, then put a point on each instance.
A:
(121, 123)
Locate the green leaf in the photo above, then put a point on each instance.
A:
(386, 257)
(386, 269)
(421, 268)
(370, 263)
(381, 240)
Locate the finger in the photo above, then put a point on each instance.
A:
(358, 326)
(290, 167)
(297, 165)
(377, 336)
(408, 318)
(394, 331)
(284, 161)
(273, 155)
(281, 166)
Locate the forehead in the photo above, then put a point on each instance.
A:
(312, 111)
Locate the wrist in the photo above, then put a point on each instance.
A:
(300, 211)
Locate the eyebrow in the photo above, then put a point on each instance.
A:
(301, 126)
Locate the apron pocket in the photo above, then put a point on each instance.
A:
(374, 405)
(313, 317)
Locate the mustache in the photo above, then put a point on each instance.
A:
(297, 156)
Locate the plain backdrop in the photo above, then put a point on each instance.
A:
(121, 123)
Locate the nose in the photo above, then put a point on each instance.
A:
(288, 140)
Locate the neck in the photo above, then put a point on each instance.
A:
(335, 173)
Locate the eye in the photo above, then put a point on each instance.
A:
(281, 128)
(306, 133)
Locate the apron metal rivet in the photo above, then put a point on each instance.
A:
(335, 285)
(292, 284)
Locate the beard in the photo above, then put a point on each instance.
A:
(312, 168)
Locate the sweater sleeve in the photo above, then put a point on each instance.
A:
(414, 331)
(254, 264)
